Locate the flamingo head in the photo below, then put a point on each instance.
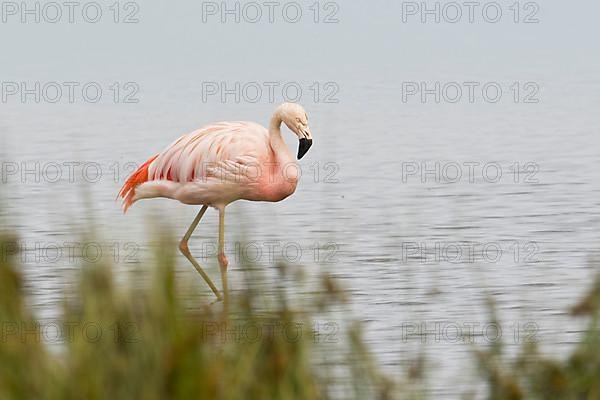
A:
(295, 118)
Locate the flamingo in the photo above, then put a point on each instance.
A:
(219, 164)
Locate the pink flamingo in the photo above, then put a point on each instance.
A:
(219, 164)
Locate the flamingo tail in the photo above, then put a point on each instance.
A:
(127, 192)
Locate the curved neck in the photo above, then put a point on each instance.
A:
(275, 125)
(277, 143)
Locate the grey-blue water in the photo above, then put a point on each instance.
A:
(393, 188)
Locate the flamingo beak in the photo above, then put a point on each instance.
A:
(303, 147)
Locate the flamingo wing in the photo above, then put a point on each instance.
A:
(220, 150)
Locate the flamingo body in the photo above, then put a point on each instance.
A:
(215, 166)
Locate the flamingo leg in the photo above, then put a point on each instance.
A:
(183, 247)
(222, 257)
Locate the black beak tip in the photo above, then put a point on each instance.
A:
(303, 147)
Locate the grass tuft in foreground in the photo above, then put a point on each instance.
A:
(145, 343)
(535, 376)
(154, 342)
